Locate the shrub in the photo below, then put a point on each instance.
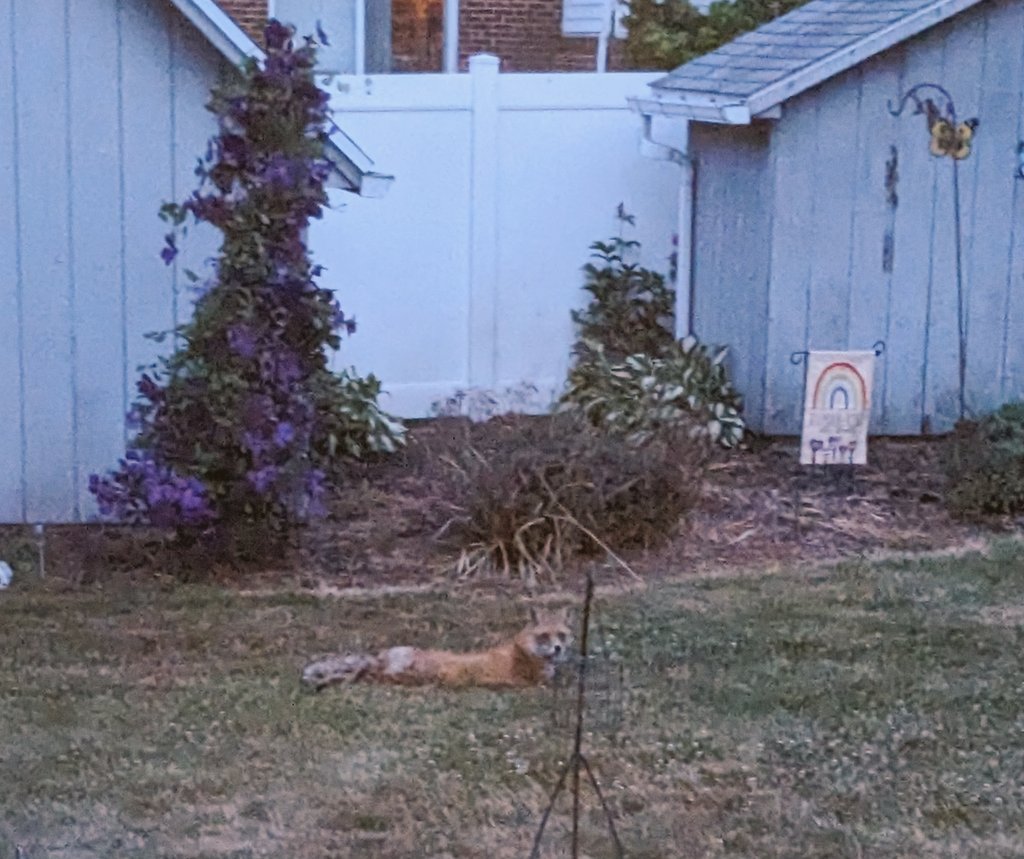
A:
(684, 390)
(244, 426)
(985, 465)
(556, 489)
(631, 308)
(630, 376)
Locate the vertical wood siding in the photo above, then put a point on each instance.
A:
(101, 120)
(848, 267)
(733, 182)
(12, 478)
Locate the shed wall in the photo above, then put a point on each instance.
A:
(101, 120)
(856, 257)
(732, 238)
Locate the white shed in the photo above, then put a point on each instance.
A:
(102, 118)
(821, 220)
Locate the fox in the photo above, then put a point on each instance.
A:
(529, 659)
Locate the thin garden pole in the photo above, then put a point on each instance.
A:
(577, 759)
(927, 106)
(960, 320)
(580, 695)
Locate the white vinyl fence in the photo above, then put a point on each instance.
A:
(464, 274)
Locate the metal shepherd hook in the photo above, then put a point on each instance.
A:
(948, 137)
(577, 758)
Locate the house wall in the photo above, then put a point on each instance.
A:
(100, 122)
(850, 264)
(732, 232)
(527, 35)
(337, 19)
(251, 15)
(464, 275)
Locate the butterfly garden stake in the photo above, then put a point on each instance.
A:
(947, 138)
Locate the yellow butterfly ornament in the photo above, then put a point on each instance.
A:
(947, 139)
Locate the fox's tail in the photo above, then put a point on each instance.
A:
(338, 669)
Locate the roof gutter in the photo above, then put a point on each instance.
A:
(699, 107)
(352, 167)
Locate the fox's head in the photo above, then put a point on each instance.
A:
(548, 635)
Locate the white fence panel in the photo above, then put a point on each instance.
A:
(465, 273)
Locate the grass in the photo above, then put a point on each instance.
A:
(865, 710)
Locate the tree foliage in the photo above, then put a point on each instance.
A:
(663, 34)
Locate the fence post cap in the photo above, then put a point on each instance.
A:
(484, 61)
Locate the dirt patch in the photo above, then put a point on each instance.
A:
(760, 509)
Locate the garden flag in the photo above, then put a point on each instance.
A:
(837, 407)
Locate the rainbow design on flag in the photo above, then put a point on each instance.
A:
(837, 407)
(840, 386)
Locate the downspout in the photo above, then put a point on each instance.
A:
(359, 25)
(603, 38)
(685, 201)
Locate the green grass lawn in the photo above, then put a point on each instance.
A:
(858, 711)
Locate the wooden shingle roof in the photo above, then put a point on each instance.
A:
(759, 70)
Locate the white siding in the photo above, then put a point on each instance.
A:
(102, 106)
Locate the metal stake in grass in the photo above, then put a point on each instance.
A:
(577, 758)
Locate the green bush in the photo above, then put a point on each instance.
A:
(686, 390)
(556, 489)
(630, 376)
(985, 465)
(631, 308)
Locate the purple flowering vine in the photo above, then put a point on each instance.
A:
(245, 423)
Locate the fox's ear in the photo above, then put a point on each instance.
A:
(534, 617)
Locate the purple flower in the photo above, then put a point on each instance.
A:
(149, 389)
(287, 370)
(234, 150)
(261, 479)
(339, 319)
(256, 444)
(242, 341)
(284, 433)
(257, 411)
(170, 250)
(280, 171)
(208, 207)
(142, 491)
(276, 35)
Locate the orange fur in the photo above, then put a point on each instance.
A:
(527, 660)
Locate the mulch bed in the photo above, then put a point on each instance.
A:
(760, 509)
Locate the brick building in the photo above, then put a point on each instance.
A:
(525, 34)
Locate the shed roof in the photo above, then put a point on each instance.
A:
(753, 74)
(354, 168)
